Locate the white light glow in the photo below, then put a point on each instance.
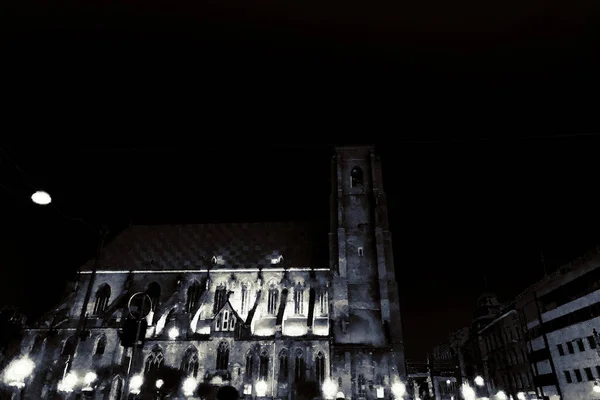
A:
(501, 395)
(479, 381)
(398, 390)
(329, 388)
(340, 395)
(173, 333)
(42, 198)
(468, 392)
(159, 383)
(277, 260)
(89, 378)
(596, 388)
(17, 371)
(135, 384)
(521, 396)
(448, 381)
(261, 388)
(380, 392)
(189, 386)
(247, 389)
(68, 383)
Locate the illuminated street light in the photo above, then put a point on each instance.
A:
(501, 395)
(159, 383)
(340, 396)
(17, 371)
(329, 388)
(521, 396)
(479, 380)
(68, 383)
(42, 198)
(189, 386)
(448, 381)
(173, 333)
(468, 392)
(398, 389)
(596, 387)
(135, 384)
(261, 388)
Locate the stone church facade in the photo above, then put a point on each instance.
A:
(240, 303)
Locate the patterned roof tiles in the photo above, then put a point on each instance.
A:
(243, 245)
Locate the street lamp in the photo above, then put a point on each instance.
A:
(42, 198)
(479, 380)
(261, 388)
(17, 372)
(173, 333)
(596, 387)
(67, 384)
(330, 388)
(468, 392)
(189, 386)
(501, 395)
(398, 389)
(135, 384)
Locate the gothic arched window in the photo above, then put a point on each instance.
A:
(220, 298)
(263, 370)
(249, 365)
(102, 297)
(190, 362)
(223, 356)
(298, 300)
(273, 298)
(153, 291)
(356, 177)
(69, 346)
(320, 367)
(193, 297)
(245, 298)
(322, 302)
(283, 366)
(100, 345)
(299, 366)
(154, 362)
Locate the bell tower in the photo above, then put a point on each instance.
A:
(367, 328)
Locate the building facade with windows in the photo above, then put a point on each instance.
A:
(280, 303)
(561, 314)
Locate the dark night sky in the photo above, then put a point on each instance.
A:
(460, 210)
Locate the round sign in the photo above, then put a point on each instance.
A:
(139, 305)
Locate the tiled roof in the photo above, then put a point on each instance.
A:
(249, 245)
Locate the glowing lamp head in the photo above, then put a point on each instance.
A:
(398, 389)
(189, 386)
(261, 388)
(479, 381)
(159, 383)
(448, 381)
(42, 198)
(596, 388)
(468, 392)
(68, 383)
(89, 378)
(330, 388)
(521, 396)
(173, 333)
(501, 395)
(135, 384)
(18, 371)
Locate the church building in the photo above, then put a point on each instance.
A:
(252, 305)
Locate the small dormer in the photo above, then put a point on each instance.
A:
(226, 320)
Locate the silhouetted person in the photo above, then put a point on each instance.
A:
(228, 393)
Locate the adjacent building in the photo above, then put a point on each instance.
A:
(272, 303)
(560, 314)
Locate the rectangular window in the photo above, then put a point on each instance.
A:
(322, 302)
(272, 301)
(568, 377)
(580, 345)
(570, 347)
(225, 320)
(244, 299)
(592, 342)
(561, 351)
(588, 374)
(578, 375)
